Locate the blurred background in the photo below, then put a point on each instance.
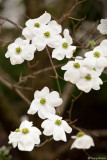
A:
(90, 109)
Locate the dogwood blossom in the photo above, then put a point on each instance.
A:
(64, 48)
(35, 26)
(19, 51)
(48, 36)
(25, 137)
(73, 68)
(96, 58)
(89, 80)
(82, 141)
(102, 27)
(57, 127)
(44, 102)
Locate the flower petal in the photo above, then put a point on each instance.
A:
(67, 36)
(59, 134)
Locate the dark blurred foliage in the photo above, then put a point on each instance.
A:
(90, 109)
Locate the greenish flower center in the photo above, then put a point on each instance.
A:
(17, 130)
(88, 77)
(42, 100)
(76, 65)
(58, 122)
(94, 69)
(47, 34)
(65, 45)
(18, 50)
(80, 134)
(97, 54)
(25, 130)
(37, 25)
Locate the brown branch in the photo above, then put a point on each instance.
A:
(42, 144)
(54, 69)
(10, 21)
(24, 79)
(77, 18)
(73, 101)
(69, 12)
(12, 87)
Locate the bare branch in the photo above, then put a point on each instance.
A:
(69, 12)
(10, 21)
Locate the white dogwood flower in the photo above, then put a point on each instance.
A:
(25, 137)
(44, 102)
(73, 68)
(96, 58)
(35, 26)
(64, 48)
(82, 141)
(19, 51)
(102, 27)
(48, 36)
(57, 127)
(89, 80)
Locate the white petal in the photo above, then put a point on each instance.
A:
(34, 107)
(39, 42)
(48, 127)
(26, 143)
(55, 27)
(96, 82)
(16, 60)
(54, 41)
(58, 54)
(45, 18)
(84, 85)
(66, 127)
(67, 36)
(27, 33)
(59, 134)
(89, 62)
(45, 91)
(30, 23)
(72, 75)
(14, 137)
(8, 54)
(42, 114)
(53, 99)
(68, 65)
(70, 51)
(35, 130)
(25, 124)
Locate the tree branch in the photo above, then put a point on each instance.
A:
(10, 21)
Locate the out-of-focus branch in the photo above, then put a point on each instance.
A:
(69, 12)
(10, 21)
(56, 74)
(24, 79)
(73, 101)
(77, 18)
(12, 87)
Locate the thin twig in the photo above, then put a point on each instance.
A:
(69, 12)
(10, 21)
(11, 86)
(42, 144)
(54, 69)
(73, 101)
(77, 18)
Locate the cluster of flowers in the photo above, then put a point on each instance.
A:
(44, 103)
(42, 32)
(39, 33)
